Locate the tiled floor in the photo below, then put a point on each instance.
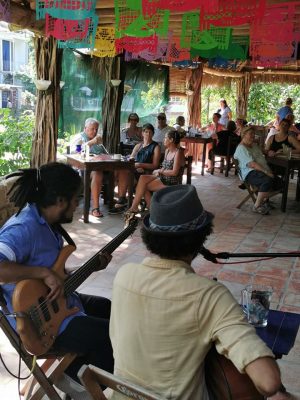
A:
(235, 230)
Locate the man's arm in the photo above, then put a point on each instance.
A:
(12, 272)
(265, 375)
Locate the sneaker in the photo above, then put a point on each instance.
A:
(116, 210)
(261, 210)
(72, 388)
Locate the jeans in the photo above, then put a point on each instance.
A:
(88, 336)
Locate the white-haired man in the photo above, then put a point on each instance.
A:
(90, 137)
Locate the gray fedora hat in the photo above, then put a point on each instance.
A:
(176, 210)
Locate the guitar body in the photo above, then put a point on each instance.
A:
(39, 320)
(225, 382)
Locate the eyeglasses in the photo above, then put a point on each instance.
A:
(133, 119)
(161, 117)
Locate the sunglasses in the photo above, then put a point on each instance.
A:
(161, 117)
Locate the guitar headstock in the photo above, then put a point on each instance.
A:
(131, 219)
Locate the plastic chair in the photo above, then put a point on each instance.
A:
(92, 378)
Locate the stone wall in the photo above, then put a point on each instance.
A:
(7, 209)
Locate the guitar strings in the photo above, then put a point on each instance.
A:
(76, 277)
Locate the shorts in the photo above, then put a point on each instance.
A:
(263, 182)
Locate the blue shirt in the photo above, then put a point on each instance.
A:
(28, 240)
(245, 155)
(284, 111)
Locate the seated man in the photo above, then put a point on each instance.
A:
(30, 243)
(165, 318)
(179, 125)
(147, 158)
(161, 130)
(90, 137)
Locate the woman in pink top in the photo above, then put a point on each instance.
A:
(213, 128)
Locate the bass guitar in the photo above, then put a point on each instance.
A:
(37, 319)
(225, 382)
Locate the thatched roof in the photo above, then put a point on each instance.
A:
(23, 14)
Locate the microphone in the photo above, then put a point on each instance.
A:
(213, 257)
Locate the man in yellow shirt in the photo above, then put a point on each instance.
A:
(165, 318)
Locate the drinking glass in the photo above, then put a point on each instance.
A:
(256, 304)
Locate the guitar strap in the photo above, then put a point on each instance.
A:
(67, 238)
(65, 235)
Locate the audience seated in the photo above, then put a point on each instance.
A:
(90, 137)
(255, 170)
(179, 125)
(169, 174)
(222, 140)
(161, 130)
(133, 133)
(147, 157)
(276, 142)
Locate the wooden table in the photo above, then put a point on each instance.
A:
(100, 163)
(198, 140)
(289, 166)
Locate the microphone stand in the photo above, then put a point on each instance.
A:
(213, 257)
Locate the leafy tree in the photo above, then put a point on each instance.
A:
(266, 98)
(152, 98)
(15, 140)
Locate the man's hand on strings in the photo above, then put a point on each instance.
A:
(54, 283)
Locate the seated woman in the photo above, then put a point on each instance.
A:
(169, 174)
(255, 170)
(133, 133)
(222, 139)
(147, 157)
(276, 142)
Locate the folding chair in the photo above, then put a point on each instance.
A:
(252, 190)
(92, 377)
(54, 365)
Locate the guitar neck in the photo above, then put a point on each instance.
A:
(93, 264)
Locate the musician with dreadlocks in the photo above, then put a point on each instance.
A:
(30, 243)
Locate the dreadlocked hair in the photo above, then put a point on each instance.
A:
(44, 185)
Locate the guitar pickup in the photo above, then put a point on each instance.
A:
(44, 308)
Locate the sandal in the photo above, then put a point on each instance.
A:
(97, 213)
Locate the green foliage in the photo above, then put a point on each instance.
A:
(266, 99)
(151, 98)
(15, 140)
(210, 100)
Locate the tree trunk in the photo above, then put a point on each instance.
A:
(48, 66)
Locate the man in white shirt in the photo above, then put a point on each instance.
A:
(165, 317)
(161, 130)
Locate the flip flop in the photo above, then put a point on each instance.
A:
(97, 213)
